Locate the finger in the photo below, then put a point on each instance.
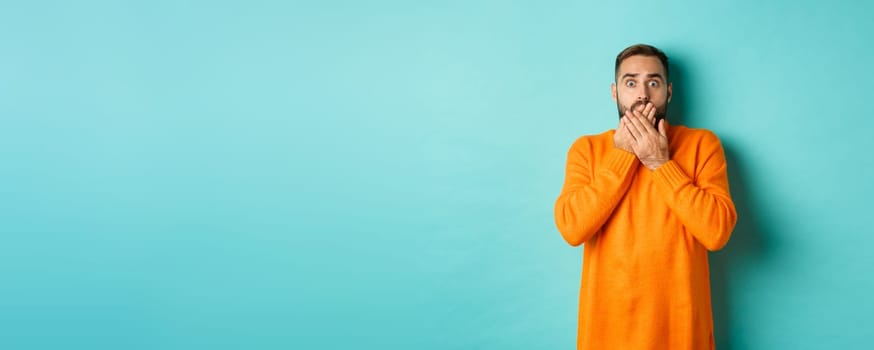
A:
(626, 120)
(649, 107)
(662, 128)
(623, 126)
(642, 112)
(643, 124)
(648, 114)
(627, 131)
(627, 127)
(649, 121)
(636, 126)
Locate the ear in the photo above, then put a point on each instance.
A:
(670, 91)
(613, 91)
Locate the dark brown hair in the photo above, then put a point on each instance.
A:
(643, 50)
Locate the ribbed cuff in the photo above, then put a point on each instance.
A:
(619, 161)
(671, 175)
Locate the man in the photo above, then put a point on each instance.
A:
(649, 200)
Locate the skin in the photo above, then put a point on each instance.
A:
(642, 92)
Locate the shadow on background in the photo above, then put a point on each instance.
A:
(679, 105)
(748, 245)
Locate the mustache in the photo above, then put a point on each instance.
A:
(660, 113)
(637, 104)
(633, 106)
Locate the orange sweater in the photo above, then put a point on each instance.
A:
(646, 282)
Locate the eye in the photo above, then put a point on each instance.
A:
(653, 83)
(630, 83)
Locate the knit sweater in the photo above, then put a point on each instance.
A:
(646, 234)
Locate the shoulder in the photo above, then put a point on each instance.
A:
(696, 135)
(594, 141)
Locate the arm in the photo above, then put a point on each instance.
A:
(704, 204)
(589, 194)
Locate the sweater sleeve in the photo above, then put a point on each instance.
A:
(591, 192)
(703, 204)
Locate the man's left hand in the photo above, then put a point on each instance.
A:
(650, 145)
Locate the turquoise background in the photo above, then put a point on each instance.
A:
(381, 174)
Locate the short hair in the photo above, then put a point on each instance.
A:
(642, 50)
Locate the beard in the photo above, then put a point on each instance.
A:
(661, 112)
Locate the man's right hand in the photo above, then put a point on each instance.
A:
(622, 139)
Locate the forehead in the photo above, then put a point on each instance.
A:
(642, 65)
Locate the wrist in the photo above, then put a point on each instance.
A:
(655, 163)
(626, 149)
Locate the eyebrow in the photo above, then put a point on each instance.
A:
(634, 75)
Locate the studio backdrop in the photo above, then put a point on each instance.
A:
(381, 174)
